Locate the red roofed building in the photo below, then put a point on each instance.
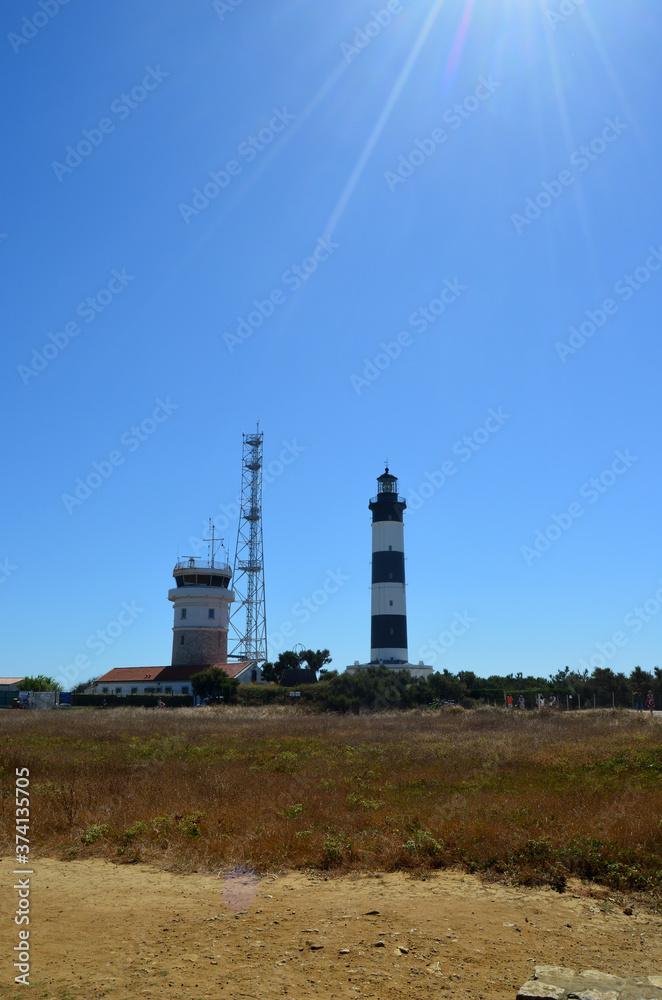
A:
(166, 680)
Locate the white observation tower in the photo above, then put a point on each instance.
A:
(201, 601)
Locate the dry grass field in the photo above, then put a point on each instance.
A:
(528, 798)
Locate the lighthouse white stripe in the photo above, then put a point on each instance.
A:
(387, 533)
(387, 653)
(382, 593)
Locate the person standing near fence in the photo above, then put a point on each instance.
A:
(638, 701)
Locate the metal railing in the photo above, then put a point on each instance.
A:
(394, 497)
(194, 563)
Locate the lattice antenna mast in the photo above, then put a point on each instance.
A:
(248, 623)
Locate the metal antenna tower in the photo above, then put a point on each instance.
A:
(248, 622)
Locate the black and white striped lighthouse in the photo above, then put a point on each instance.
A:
(388, 627)
(388, 621)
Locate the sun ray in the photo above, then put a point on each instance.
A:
(391, 101)
(458, 43)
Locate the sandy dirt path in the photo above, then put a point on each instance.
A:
(129, 931)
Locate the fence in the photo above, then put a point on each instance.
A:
(130, 700)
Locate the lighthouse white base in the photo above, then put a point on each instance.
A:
(419, 669)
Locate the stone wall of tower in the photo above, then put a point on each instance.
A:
(200, 646)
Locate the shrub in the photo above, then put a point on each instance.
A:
(334, 848)
(190, 825)
(136, 829)
(94, 832)
(162, 827)
(422, 844)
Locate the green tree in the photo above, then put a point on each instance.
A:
(603, 679)
(314, 660)
(469, 678)
(640, 679)
(40, 683)
(80, 688)
(287, 660)
(560, 677)
(375, 687)
(215, 685)
(446, 686)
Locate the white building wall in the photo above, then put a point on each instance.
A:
(143, 687)
(197, 602)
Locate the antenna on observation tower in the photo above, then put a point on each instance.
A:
(213, 548)
(248, 622)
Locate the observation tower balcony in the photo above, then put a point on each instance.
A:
(194, 572)
(195, 563)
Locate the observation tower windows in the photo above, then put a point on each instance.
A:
(202, 580)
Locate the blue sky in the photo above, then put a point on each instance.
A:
(478, 178)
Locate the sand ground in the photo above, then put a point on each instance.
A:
(123, 931)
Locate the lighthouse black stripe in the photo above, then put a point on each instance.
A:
(388, 632)
(386, 509)
(388, 567)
